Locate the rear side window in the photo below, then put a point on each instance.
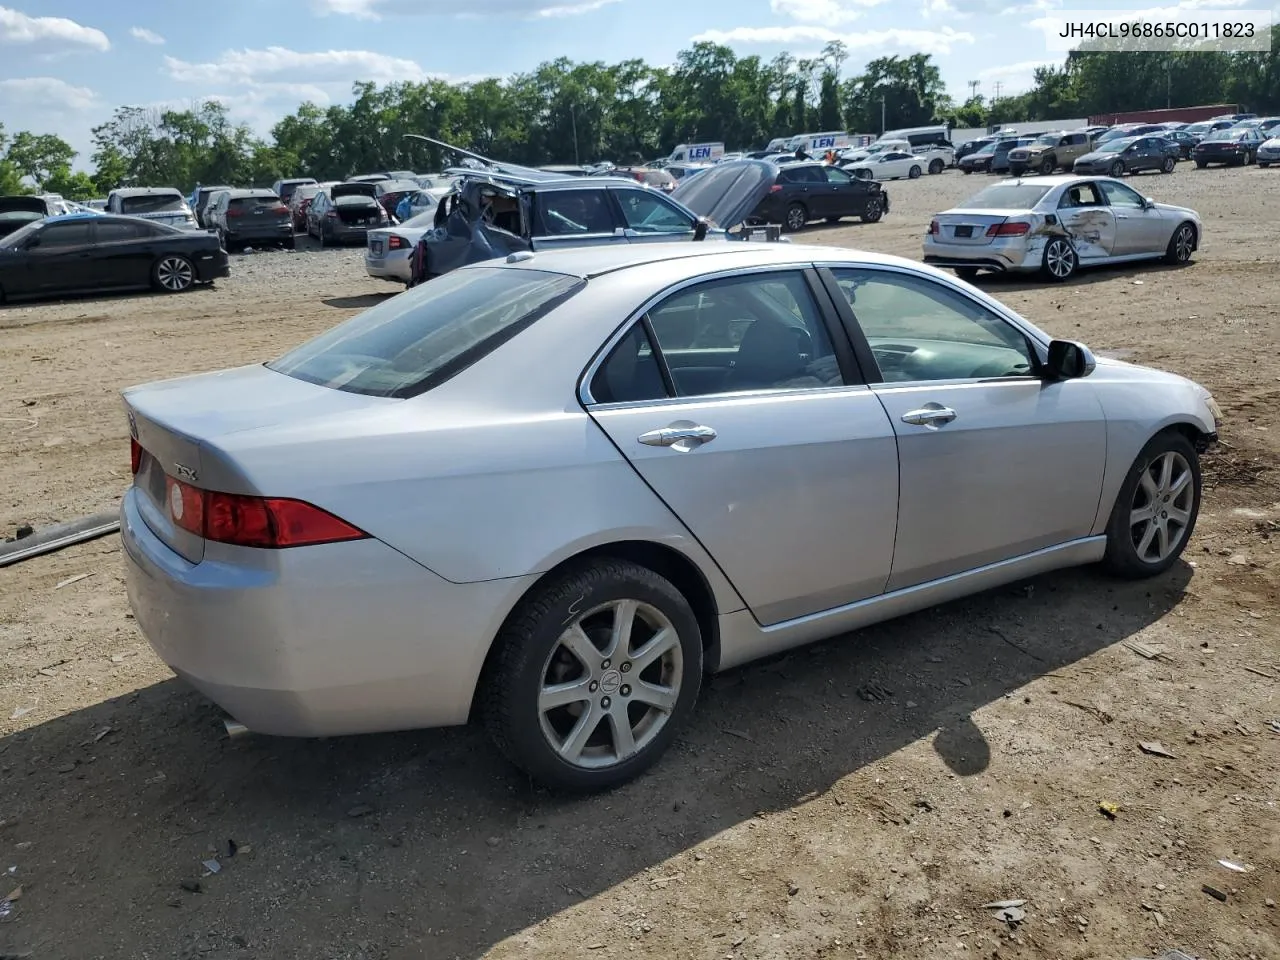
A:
(421, 338)
(116, 231)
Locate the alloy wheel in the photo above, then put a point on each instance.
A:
(1163, 507)
(175, 274)
(796, 217)
(1117, 169)
(1060, 259)
(610, 684)
(1184, 243)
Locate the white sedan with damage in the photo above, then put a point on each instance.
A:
(1056, 225)
(388, 251)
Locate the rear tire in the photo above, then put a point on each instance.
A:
(936, 166)
(1200, 164)
(1156, 509)
(914, 173)
(966, 170)
(1169, 164)
(173, 273)
(1060, 260)
(555, 662)
(874, 209)
(795, 218)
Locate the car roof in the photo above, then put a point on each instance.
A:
(82, 215)
(146, 191)
(241, 192)
(696, 258)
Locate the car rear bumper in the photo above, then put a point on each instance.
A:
(1012, 255)
(315, 641)
(212, 267)
(396, 265)
(276, 233)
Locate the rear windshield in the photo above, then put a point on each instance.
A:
(152, 203)
(264, 200)
(658, 178)
(421, 338)
(1012, 196)
(398, 186)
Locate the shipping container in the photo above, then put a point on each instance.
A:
(1174, 115)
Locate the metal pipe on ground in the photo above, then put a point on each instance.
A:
(58, 537)
(235, 728)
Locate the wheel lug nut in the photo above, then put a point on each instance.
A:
(625, 691)
(626, 668)
(605, 665)
(594, 686)
(606, 702)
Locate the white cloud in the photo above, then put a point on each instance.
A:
(1025, 68)
(48, 93)
(146, 36)
(815, 11)
(528, 9)
(917, 41)
(280, 65)
(17, 27)
(934, 8)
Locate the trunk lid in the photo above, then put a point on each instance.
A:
(728, 193)
(969, 227)
(357, 210)
(178, 423)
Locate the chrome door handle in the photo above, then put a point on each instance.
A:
(928, 415)
(670, 436)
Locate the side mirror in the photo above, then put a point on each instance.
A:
(1148, 203)
(700, 228)
(1069, 360)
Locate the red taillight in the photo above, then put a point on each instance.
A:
(397, 243)
(934, 229)
(270, 523)
(776, 188)
(280, 208)
(1014, 229)
(235, 213)
(135, 455)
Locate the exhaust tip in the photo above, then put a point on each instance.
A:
(235, 728)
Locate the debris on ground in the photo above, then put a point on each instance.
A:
(70, 580)
(873, 692)
(192, 886)
(1155, 748)
(1236, 867)
(20, 712)
(1214, 892)
(360, 810)
(1096, 712)
(1263, 673)
(6, 905)
(1108, 809)
(1003, 904)
(213, 866)
(740, 735)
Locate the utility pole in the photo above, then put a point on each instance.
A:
(573, 118)
(973, 88)
(882, 127)
(999, 85)
(1168, 84)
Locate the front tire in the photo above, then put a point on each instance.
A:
(1060, 260)
(1181, 245)
(914, 173)
(1169, 164)
(595, 672)
(1201, 164)
(873, 210)
(1155, 512)
(795, 218)
(1117, 170)
(936, 166)
(1047, 166)
(173, 273)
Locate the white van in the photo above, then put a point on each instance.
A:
(816, 144)
(696, 153)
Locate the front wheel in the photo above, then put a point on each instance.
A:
(593, 676)
(1156, 509)
(1060, 260)
(874, 210)
(966, 170)
(914, 173)
(1117, 169)
(1047, 166)
(1201, 164)
(936, 166)
(1169, 164)
(173, 274)
(1181, 245)
(796, 217)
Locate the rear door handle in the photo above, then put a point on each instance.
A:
(929, 415)
(695, 435)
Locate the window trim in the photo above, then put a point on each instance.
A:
(850, 369)
(862, 346)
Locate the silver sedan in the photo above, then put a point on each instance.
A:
(555, 492)
(1056, 225)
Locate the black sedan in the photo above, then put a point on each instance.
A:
(86, 252)
(1234, 147)
(1115, 158)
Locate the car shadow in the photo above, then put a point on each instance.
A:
(426, 844)
(1105, 273)
(360, 302)
(106, 296)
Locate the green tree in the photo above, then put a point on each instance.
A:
(39, 156)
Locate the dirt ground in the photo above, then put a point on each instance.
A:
(794, 819)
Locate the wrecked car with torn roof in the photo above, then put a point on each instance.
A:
(496, 209)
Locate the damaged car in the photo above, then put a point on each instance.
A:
(1056, 225)
(345, 213)
(497, 212)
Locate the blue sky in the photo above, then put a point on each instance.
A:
(65, 64)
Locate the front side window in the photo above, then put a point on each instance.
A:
(575, 212)
(1118, 195)
(65, 234)
(645, 212)
(756, 332)
(919, 329)
(415, 341)
(836, 175)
